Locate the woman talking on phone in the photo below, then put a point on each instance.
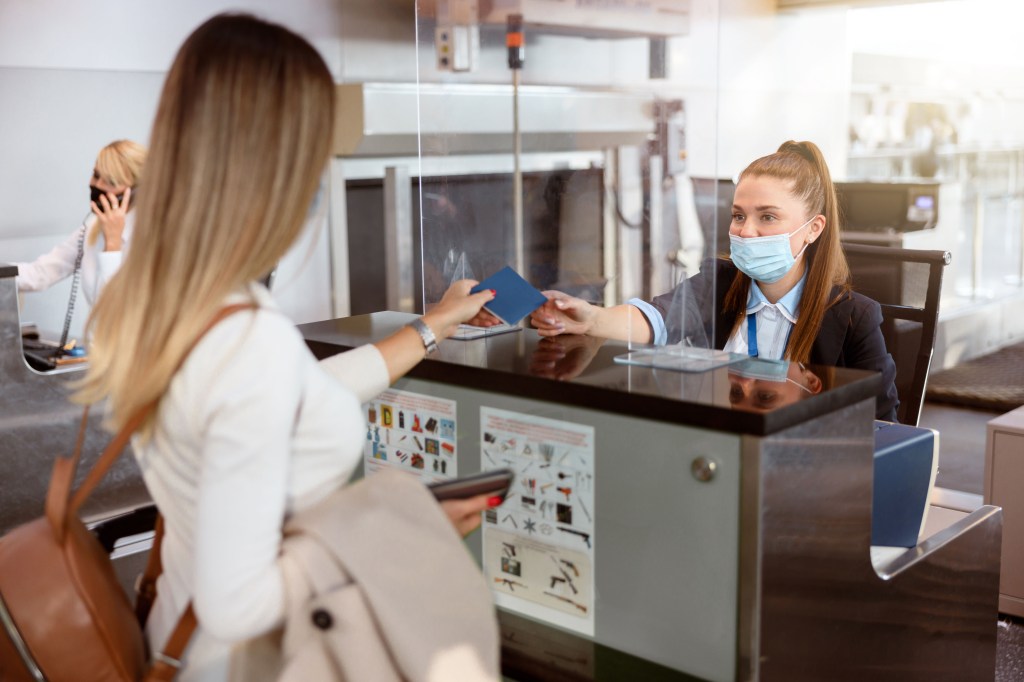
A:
(783, 293)
(96, 247)
(249, 428)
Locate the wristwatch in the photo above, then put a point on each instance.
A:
(426, 334)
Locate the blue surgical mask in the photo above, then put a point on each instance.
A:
(765, 259)
(765, 370)
(761, 369)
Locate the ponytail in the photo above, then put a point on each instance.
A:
(802, 164)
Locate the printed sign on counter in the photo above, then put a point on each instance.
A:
(538, 546)
(413, 432)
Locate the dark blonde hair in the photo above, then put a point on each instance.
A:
(119, 164)
(802, 165)
(241, 137)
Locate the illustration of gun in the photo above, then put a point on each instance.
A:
(585, 536)
(579, 606)
(512, 584)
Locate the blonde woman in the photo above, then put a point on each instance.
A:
(250, 428)
(98, 245)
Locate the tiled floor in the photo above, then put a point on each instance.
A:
(962, 468)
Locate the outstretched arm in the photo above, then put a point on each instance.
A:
(404, 349)
(564, 314)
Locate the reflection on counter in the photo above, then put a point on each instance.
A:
(760, 385)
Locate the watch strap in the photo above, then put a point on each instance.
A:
(426, 334)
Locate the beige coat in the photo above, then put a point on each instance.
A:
(380, 587)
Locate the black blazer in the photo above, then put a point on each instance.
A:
(850, 335)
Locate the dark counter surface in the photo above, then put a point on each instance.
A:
(581, 371)
(8, 270)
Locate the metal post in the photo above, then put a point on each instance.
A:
(515, 46)
(610, 230)
(517, 180)
(977, 241)
(398, 238)
(341, 303)
(1018, 198)
(655, 249)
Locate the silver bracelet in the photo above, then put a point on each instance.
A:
(426, 334)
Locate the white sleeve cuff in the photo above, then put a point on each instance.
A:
(362, 370)
(659, 333)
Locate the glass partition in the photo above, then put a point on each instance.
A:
(575, 144)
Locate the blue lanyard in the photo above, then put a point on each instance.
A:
(752, 335)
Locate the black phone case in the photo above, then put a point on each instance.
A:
(496, 482)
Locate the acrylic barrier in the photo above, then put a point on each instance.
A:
(662, 524)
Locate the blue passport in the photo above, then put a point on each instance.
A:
(515, 298)
(906, 459)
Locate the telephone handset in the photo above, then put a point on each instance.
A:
(95, 193)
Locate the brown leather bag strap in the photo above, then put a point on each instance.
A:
(166, 664)
(145, 591)
(60, 483)
(106, 460)
(113, 451)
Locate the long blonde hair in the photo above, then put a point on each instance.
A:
(803, 164)
(119, 164)
(241, 135)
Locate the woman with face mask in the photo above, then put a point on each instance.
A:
(98, 244)
(784, 292)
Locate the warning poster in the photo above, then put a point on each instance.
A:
(538, 546)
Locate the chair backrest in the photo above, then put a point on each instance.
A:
(906, 283)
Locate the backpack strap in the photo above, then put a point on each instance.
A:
(145, 588)
(166, 663)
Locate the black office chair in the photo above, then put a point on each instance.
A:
(906, 283)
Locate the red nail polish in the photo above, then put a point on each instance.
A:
(493, 292)
(494, 501)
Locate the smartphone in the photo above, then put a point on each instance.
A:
(496, 482)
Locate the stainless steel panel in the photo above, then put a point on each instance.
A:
(826, 613)
(38, 422)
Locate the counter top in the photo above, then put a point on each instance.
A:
(8, 270)
(582, 371)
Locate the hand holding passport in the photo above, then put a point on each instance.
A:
(514, 299)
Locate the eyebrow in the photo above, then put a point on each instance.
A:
(758, 208)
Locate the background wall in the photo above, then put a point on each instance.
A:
(75, 76)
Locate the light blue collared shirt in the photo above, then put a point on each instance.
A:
(774, 322)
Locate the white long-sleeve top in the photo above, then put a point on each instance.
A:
(251, 428)
(98, 265)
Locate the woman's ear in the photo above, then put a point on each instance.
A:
(817, 226)
(811, 380)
